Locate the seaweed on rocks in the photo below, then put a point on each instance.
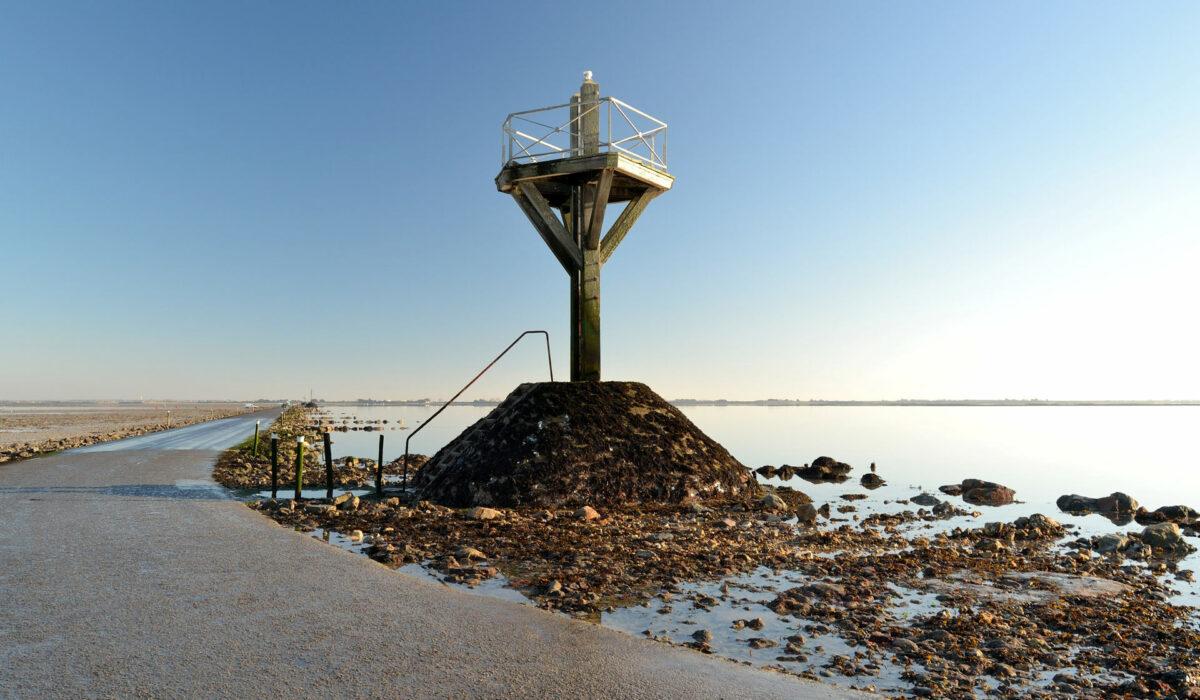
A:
(578, 443)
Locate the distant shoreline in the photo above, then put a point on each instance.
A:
(675, 402)
(817, 402)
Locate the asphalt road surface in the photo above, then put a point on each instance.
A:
(125, 571)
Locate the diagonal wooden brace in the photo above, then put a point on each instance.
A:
(548, 226)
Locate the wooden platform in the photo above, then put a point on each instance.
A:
(555, 178)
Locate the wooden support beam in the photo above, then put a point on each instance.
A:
(589, 318)
(548, 226)
(624, 222)
(599, 202)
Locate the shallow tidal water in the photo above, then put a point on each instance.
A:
(1041, 452)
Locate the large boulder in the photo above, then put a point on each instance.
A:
(1167, 514)
(986, 493)
(578, 443)
(1166, 537)
(824, 469)
(1118, 507)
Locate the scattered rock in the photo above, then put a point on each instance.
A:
(587, 513)
(926, 499)
(702, 636)
(469, 553)
(905, 646)
(1166, 537)
(1168, 514)
(1117, 506)
(806, 514)
(986, 493)
(482, 513)
(773, 502)
(871, 480)
(825, 469)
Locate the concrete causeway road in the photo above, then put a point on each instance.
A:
(125, 571)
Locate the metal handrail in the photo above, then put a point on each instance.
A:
(549, 362)
(523, 144)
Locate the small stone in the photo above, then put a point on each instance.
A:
(773, 502)
(587, 513)
(761, 643)
(469, 553)
(756, 624)
(702, 636)
(482, 513)
(806, 514)
(355, 536)
(905, 646)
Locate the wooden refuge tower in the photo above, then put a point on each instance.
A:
(564, 165)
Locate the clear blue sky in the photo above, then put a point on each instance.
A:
(873, 199)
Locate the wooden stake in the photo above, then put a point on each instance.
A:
(274, 466)
(328, 468)
(379, 469)
(299, 465)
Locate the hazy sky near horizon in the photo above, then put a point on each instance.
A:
(874, 200)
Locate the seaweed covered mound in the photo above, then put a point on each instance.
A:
(582, 443)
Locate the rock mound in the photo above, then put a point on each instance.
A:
(580, 443)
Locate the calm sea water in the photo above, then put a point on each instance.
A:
(1042, 452)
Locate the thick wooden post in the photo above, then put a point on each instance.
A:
(589, 115)
(589, 318)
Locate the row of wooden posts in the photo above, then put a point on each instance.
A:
(328, 443)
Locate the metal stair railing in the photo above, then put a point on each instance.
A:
(404, 487)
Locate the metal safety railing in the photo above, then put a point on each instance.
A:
(549, 362)
(539, 135)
